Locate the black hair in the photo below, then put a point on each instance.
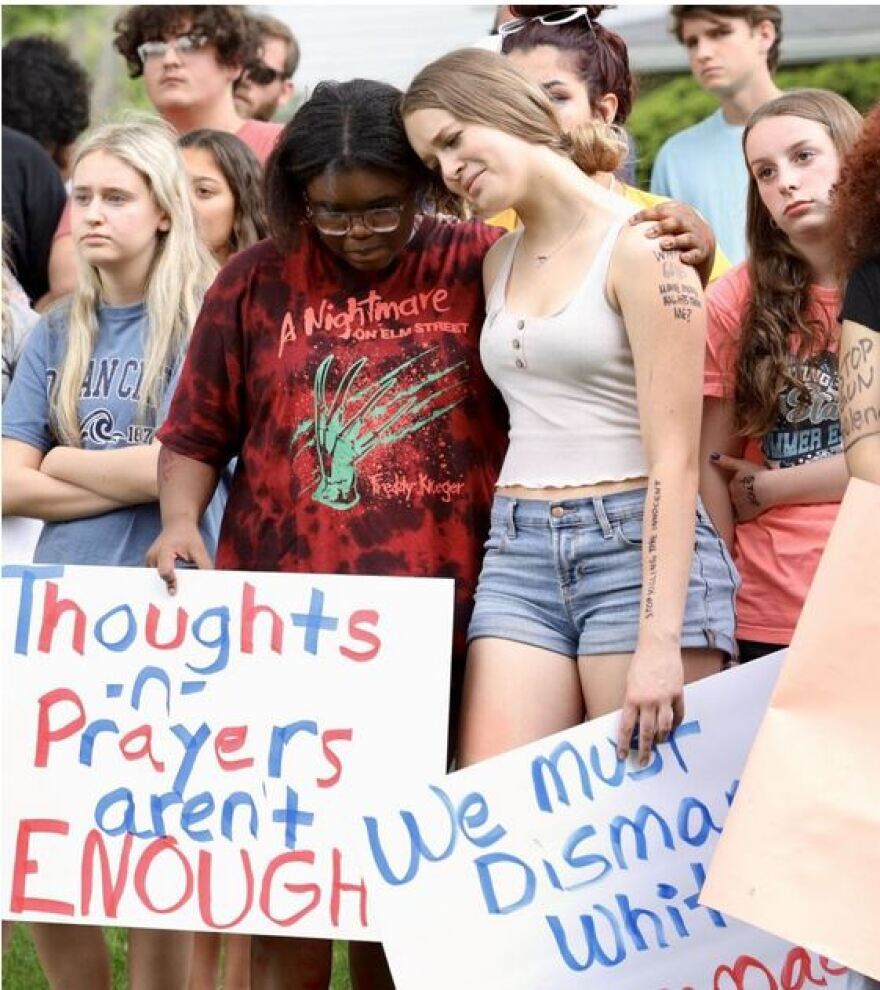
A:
(244, 175)
(343, 126)
(45, 91)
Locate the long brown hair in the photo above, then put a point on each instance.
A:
(780, 277)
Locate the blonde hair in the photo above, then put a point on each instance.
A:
(180, 272)
(480, 87)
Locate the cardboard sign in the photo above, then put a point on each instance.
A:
(558, 866)
(801, 853)
(187, 762)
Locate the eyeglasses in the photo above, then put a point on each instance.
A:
(185, 46)
(381, 220)
(554, 19)
(262, 75)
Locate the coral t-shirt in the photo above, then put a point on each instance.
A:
(778, 552)
(260, 136)
(369, 437)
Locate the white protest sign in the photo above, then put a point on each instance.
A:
(187, 762)
(556, 866)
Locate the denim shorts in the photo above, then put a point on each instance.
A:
(567, 576)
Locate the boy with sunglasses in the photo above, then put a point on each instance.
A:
(190, 59)
(266, 84)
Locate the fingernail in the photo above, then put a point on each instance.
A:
(714, 457)
(643, 762)
(667, 245)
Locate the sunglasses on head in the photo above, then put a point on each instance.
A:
(553, 19)
(262, 74)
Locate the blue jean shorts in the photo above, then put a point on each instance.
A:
(567, 576)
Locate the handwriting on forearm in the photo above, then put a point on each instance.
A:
(748, 486)
(675, 293)
(653, 526)
(859, 393)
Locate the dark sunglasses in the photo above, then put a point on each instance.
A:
(262, 75)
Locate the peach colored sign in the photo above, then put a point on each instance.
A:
(800, 853)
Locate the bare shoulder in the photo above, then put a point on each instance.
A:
(639, 265)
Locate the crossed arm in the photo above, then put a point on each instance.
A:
(71, 483)
(736, 490)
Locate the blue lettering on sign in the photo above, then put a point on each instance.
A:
(28, 575)
(484, 866)
(291, 816)
(221, 640)
(418, 846)
(314, 621)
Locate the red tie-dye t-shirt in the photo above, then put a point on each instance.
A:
(368, 436)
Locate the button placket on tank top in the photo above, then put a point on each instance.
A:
(518, 344)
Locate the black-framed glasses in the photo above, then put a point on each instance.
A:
(336, 223)
(185, 45)
(262, 75)
(553, 19)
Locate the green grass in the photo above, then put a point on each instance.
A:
(21, 971)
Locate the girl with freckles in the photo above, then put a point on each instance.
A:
(773, 468)
(604, 584)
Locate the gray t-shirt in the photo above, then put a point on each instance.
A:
(108, 414)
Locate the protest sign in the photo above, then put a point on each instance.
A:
(187, 762)
(559, 866)
(801, 853)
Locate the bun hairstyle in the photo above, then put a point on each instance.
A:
(480, 87)
(599, 56)
(596, 146)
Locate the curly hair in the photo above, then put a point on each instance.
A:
(232, 33)
(600, 56)
(45, 91)
(343, 126)
(244, 175)
(780, 277)
(857, 200)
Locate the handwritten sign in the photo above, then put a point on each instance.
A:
(557, 865)
(187, 762)
(802, 854)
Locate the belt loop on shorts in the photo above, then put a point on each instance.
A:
(511, 520)
(602, 517)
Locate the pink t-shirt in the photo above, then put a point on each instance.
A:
(259, 135)
(778, 552)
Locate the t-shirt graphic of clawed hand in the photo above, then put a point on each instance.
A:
(356, 414)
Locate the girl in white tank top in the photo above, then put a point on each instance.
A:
(595, 337)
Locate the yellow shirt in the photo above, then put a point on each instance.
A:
(509, 220)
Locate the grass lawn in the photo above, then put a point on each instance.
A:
(21, 971)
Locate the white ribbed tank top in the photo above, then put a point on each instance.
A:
(568, 381)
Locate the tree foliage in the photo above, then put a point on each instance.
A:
(680, 102)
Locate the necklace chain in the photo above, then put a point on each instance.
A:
(542, 259)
